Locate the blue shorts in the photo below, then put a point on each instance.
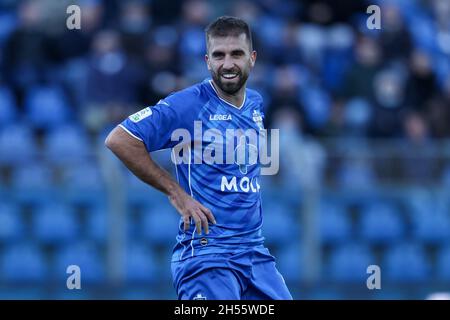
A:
(248, 275)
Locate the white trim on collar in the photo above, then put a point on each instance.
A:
(239, 108)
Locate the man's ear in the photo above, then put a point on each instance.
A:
(253, 58)
(207, 61)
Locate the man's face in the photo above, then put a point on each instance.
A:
(230, 60)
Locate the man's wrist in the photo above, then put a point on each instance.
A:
(174, 190)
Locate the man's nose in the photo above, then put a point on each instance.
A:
(228, 63)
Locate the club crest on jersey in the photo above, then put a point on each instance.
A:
(258, 118)
(142, 114)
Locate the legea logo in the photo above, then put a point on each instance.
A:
(243, 148)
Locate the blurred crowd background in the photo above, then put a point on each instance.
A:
(364, 119)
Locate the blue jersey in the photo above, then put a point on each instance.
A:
(231, 190)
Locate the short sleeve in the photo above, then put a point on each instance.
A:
(154, 125)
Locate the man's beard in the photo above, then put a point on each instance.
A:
(229, 87)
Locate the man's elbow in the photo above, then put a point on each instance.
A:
(111, 140)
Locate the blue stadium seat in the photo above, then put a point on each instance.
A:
(357, 114)
(67, 144)
(46, 107)
(406, 263)
(160, 224)
(445, 178)
(141, 194)
(23, 263)
(84, 255)
(11, 223)
(356, 175)
(429, 217)
(349, 262)
(83, 184)
(290, 263)
(34, 184)
(17, 145)
(8, 23)
(8, 108)
(443, 264)
(317, 106)
(432, 227)
(279, 225)
(381, 223)
(334, 223)
(55, 224)
(140, 265)
(139, 293)
(97, 223)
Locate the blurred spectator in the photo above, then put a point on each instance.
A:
(421, 82)
(360, 78)
(113, 81)
(394, 39)
(135, 22)
(191, 44)
(302, 159)
(161, 62)
(25, 54)
(418, 165)
(389, 97)
(76, 43)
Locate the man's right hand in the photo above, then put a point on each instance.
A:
(189, 208)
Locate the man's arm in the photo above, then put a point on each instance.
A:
(134, 155)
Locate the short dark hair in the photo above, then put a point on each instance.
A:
(225, 26)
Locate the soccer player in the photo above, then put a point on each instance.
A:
(220, 252)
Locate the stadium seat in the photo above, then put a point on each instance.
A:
(139, 293)
(11, 223)
(290, 263)
(33, 184)
(443, 264)
(83, 184)
(84, 255)
(429, 217)
(55, 224)
(445, 178)
(8, 108)
(349, 262)
(381, 223)
(46, 107)
(141, 194)
(160, 224)
(431, 227)
(67, 144)
(23, 263)
(97, 223)
(317, 106)
(140, 265)
(334, 223)
(17, 145)
(406, 263)
(8, 23)
(355, 175)
(357, 113)
(279, 225)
